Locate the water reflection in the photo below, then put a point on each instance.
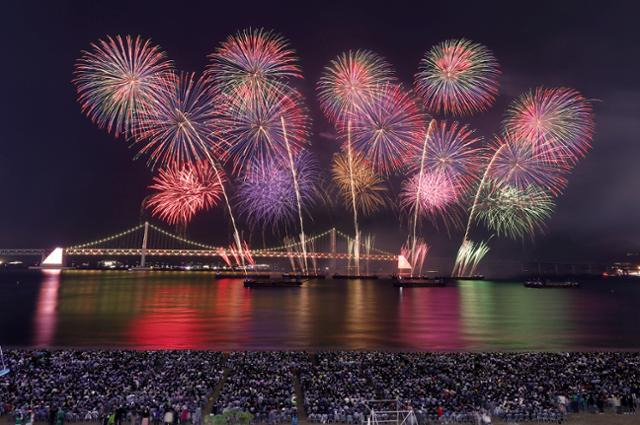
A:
(193, 310)
(46, 315)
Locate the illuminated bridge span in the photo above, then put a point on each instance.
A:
(148, 240)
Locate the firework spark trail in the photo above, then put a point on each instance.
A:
(422, 158)
(353, 202)
(297, 190)
(170, 133)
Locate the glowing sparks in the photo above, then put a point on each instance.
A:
(182, 190)
(267, 196)
(433, 194)
(117, 78)
(554, 120)
(387, 128)
(252, 127)
(453, 149)
(254, 60)
(179, 125)
(350, 79)
(369, 188)
(458, 77)
(512, 212)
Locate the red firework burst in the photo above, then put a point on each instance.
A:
(182, 190)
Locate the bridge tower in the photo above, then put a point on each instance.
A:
(332, 241)
(144, 244)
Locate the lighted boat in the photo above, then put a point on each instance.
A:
(413, 282)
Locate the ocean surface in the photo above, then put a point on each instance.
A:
(192, 310)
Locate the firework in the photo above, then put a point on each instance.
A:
(513, 212)
(433, 194)
(368, 188)
(182, 190)
(178, 127)
(469, 256)
(387, 128)
(253, 130)
(117, 78)
(458, 77)
(560, 118)
(453, 150)
(519, 164)
(267, 195)
(349, 79)
(415, 252)
(253, 59)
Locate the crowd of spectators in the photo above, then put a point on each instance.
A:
(172, 387)
(262, 383)
(115, 387)
(465, 387)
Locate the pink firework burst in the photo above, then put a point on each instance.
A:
(453, 149)
(254, 59)
(458, 77)
(182, 190)
(553, 120)
(349, 79)
(433, 194)
(259, 129)
(117, 78)
(387, 128)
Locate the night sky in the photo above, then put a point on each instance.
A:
(64, 181)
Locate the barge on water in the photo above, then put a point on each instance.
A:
(547, 284)
(413, 282)
(273, 283)
(355, 276)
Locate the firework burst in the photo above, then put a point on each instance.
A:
(387, 128)
(117, 78)
(267, 196)
(434, 195)
(178, 127)
(182, 190)
(458, 77)
(369, 189)
(453, 150)
(519, 164)
(253, 60)
(553, 120)
(253, 130)
(513, 212)
(349, 79)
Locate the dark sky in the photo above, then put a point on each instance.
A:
(65, 181)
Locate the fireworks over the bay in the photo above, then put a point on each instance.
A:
(399, 152)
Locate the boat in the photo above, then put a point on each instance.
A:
(539, 284)
(273, 283)
(302, 276)
(472, 277)
(355, 276)
(419, 283)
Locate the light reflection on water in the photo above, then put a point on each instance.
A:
(193, 310)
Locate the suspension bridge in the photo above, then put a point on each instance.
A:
(148, 240)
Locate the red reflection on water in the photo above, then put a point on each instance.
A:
(429, 319)
(46, 309)
(179, 316)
